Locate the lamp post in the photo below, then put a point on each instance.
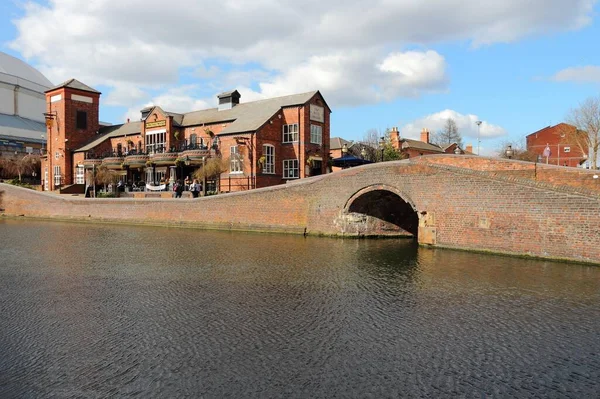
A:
(478, 123)
(344, 153)
(382, 146)
(509, 152)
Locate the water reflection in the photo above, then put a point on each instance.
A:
(104, 310)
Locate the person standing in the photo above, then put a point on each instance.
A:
(178, 188)
(195, 188)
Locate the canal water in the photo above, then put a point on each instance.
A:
(95, 311)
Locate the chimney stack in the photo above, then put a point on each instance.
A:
(395, 138)
(425, 135)
(469, 148)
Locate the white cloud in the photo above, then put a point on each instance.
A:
(354, 53)
(583, 74)
(467, 126)
(179, 99)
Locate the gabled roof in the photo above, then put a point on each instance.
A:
(74, 84)
(420, 145)
(108, 132)
(335, 143)
(246, 117)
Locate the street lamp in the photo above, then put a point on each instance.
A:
(382, 146)
(509, 152)
(478, 123)
(344, 150)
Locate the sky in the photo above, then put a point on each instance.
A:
(517, 66)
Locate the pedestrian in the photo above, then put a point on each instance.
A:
(195, 188)
(178, 188)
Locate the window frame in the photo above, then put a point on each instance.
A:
(318, 134)
(289, 135)
(269, 165)
(286, 168)
(79, 174)
(57, 176)
(236, 166)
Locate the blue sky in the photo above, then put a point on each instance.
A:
(517, 66)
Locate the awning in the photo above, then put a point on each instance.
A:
(349, 161)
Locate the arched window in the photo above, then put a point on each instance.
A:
(268, 166)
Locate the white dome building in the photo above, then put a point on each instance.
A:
(22, 106)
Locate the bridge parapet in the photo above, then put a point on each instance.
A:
(538, 172)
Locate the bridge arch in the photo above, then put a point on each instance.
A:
(385, 210)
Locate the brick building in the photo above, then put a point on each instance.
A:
(264, 143)
(562, 145)
(416, 148)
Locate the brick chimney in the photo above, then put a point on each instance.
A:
(469, 148)
(425, 135)
(395, 138)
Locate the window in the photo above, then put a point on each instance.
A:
(156, 141)
(235, 161)
(290, 133)
(316, 134)
(193, 139)
(57, 175)
(119, 149)
(567, 149)
(81, 120)
(269, 154)
(290, 169)
(56, 155)
(80, 175)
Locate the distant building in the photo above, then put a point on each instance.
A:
(556, 145)
(22, 106)
(416, 148)
(263, 143)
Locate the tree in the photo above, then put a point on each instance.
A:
(448, 135)
(372, 144)
(21, 165)
(586, 119)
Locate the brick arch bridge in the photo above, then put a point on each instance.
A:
(451, 201)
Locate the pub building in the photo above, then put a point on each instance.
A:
(261, 143)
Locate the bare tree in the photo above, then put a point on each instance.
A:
(448, 135)
(21, 165)
(586, 119)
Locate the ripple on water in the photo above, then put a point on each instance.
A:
(97, 311)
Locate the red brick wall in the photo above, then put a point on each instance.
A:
(557, 138)
(540, 172)
(468, 209)
(65, 128)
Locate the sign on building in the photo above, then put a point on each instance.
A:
(317, 113)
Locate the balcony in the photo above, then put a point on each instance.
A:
(136, 160)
